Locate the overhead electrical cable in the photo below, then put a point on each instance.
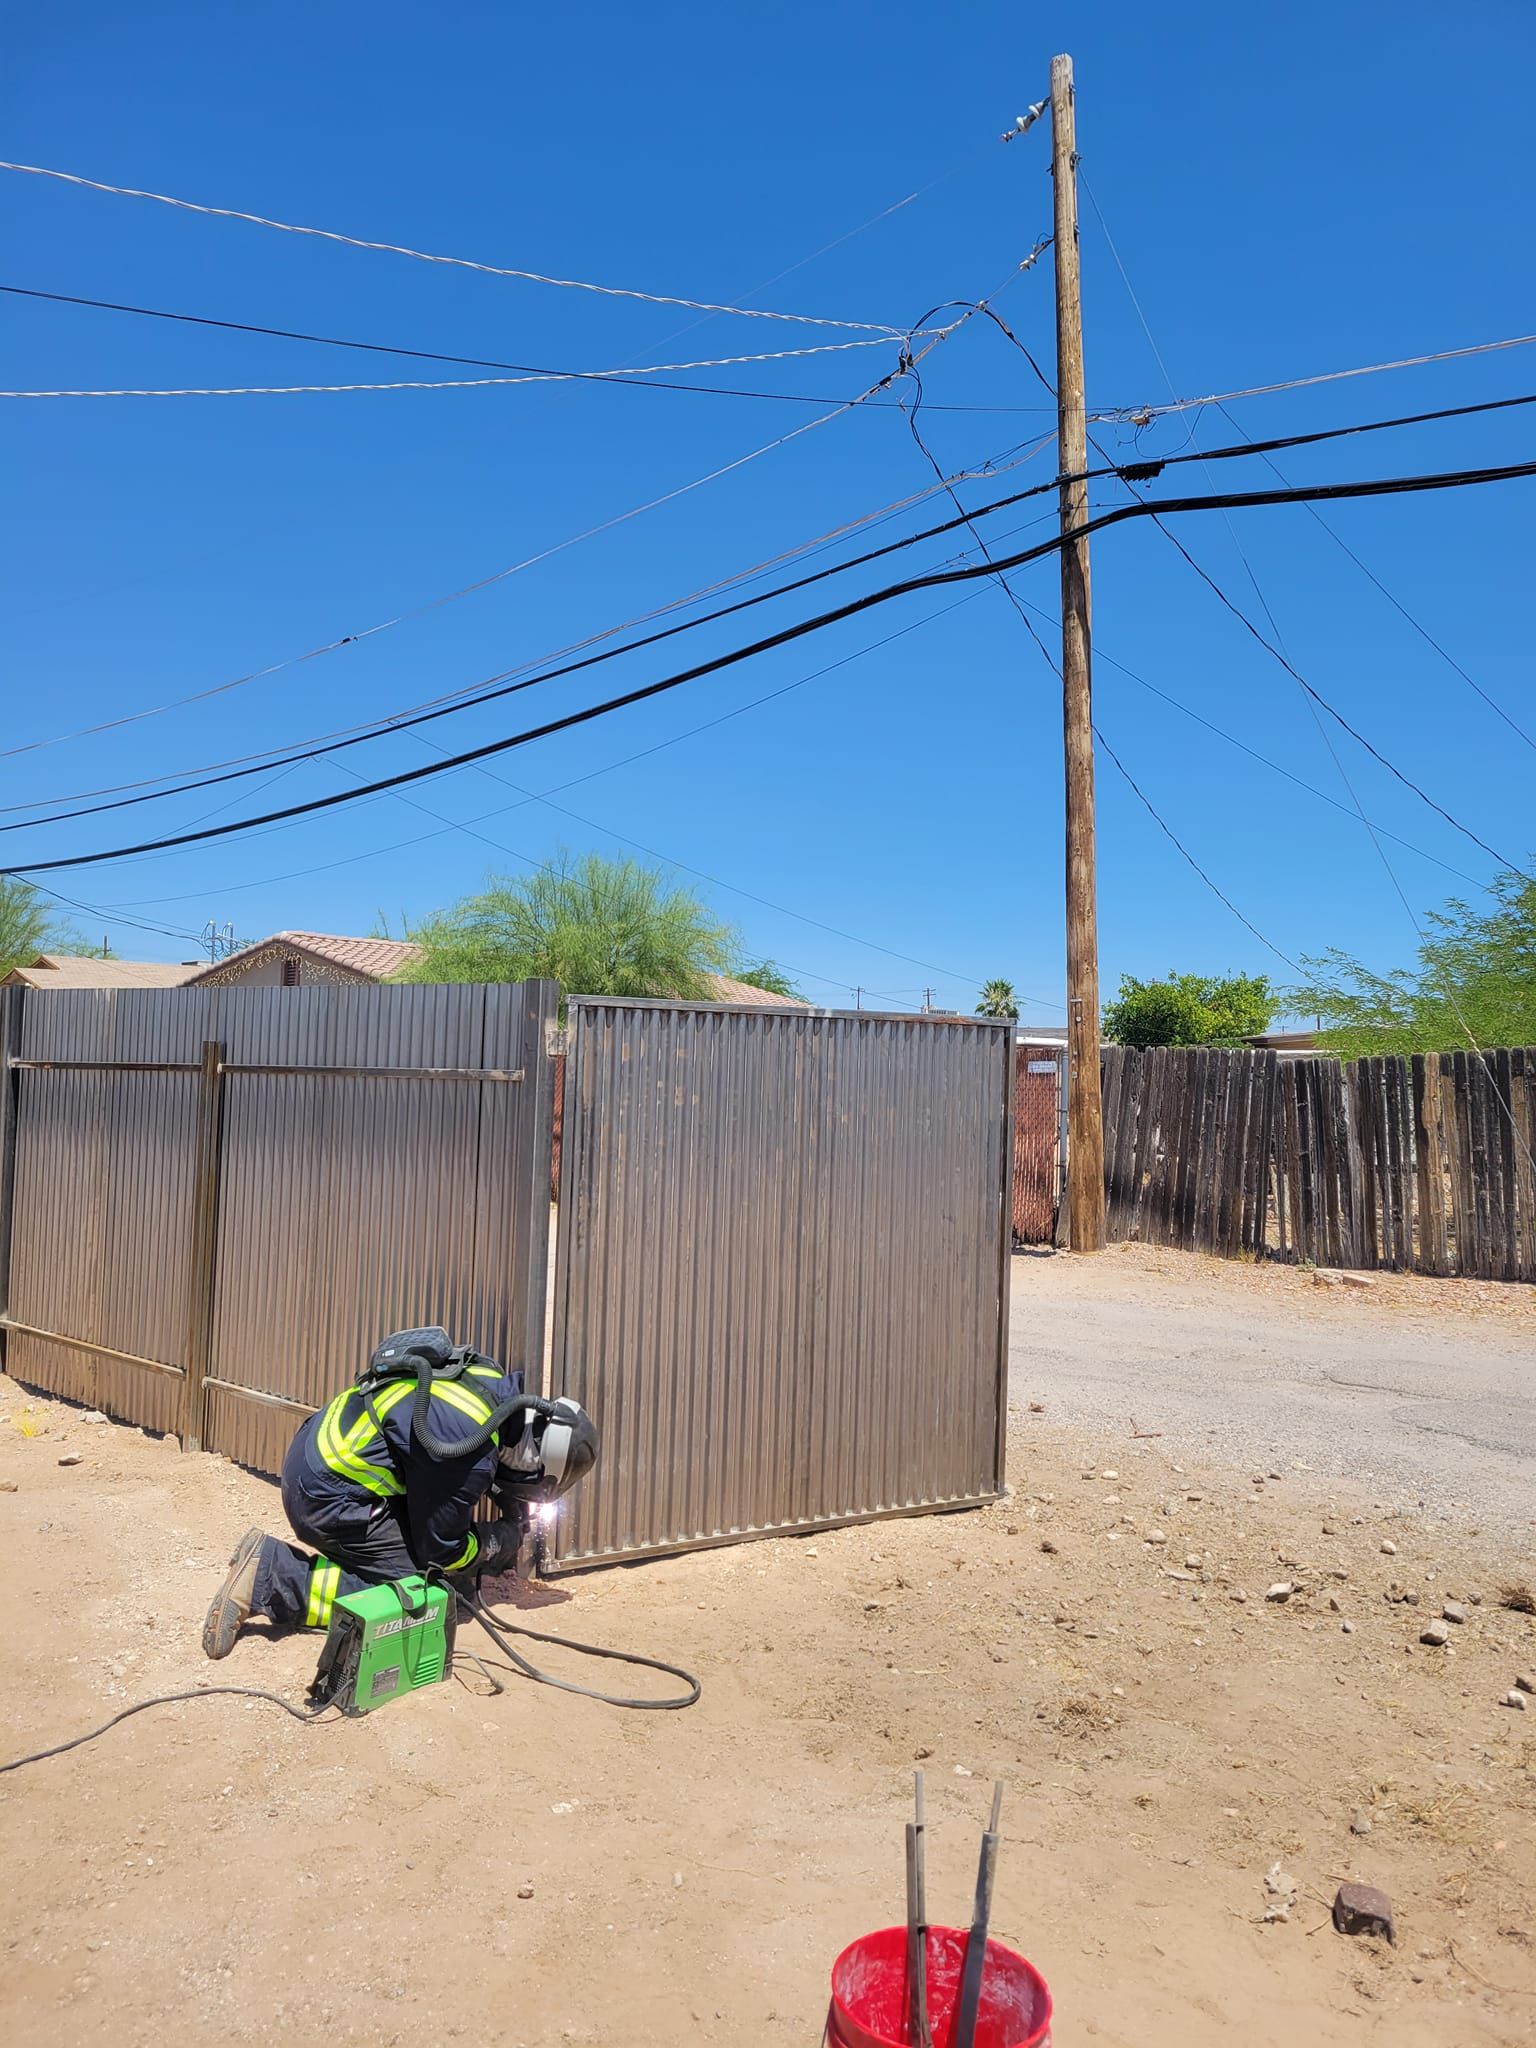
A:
(1163, 825)
(466, 697)
(647, 376)
(933, 579)
(1444, 355)
(574, 284)
(589, 775)
(1131, 478)
(1398, 606)
(1101, 654)
(1316, 696)
(1142, 470)
(1028, 625)
(468, 826)
(644, 377)
(595, 824)
(999, 466)
(1313, 701)
(515, 568)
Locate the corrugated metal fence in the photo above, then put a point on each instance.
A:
(782, 1274)
(222, 1198)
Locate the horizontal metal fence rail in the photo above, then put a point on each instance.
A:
(781, 1280)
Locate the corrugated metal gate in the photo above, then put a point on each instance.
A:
(1037, 1142)
(222, 1198)
(781, 1282)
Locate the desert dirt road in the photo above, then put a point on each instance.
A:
(1190, 1767)
(1422, 1390)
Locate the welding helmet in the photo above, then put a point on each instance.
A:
(551, 1454)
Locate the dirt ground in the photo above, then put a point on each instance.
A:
(1422, 1391)
(214, 1872)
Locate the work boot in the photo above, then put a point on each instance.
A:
(230, 1607)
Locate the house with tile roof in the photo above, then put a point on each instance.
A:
(83, 970)
(296, 959)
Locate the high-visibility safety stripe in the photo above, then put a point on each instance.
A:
(343, 1452)
(463, 1398)
(466, 1556)
(324, 1584)
(346, 1449)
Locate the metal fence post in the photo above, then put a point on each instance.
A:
(205, 1241)
(10, 1119)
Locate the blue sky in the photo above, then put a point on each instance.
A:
(1291, 192)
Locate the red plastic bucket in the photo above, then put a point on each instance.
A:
(869, 1994)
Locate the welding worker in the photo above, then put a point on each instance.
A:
(384, 1482)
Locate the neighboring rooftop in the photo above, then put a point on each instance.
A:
(330, 956)
(290, 959)
(82, 970)
(728, 990)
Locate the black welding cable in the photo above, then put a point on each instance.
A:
(166, 1699)
(499, 1630)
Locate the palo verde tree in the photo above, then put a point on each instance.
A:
(998, 1000)
(29, 926)
(598, 927)
(1190, 1009)
(769, 976)
(1474, 982)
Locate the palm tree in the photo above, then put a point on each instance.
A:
(598, 927)
(998, 1000)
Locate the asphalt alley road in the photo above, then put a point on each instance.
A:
(1424, 1389)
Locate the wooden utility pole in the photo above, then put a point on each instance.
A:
(1085, 1115)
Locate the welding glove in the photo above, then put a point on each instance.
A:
(499, 1542)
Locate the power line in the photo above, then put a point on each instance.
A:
(575, 284)
(1162, 823)
(1264, 760)
(1028, 625)
(497, 686)
(643, 378)
(1140, 471)
(1398, 606)
(1313, 700)
(573, 647)
(512, 569)
(646, 377)
(1317, 697)
(527, 797)
(933, 579)
(1139, 414)
(718, 881)
(625, 761)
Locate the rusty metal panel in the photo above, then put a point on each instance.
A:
(103, 1203)
(781, 1280)
(348, 1203)
(351, 1206)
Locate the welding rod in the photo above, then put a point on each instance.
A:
(964, 2035)
(918, 2033)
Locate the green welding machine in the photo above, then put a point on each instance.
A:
(385, 1641)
